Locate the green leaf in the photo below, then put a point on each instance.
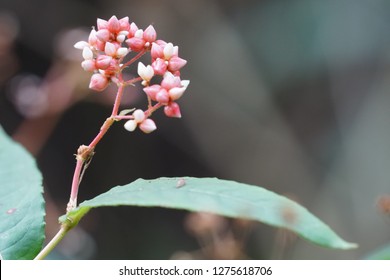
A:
(126, 111)
(382, 253)
(22, 210)
(221, 197)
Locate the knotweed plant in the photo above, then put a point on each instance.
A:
(113, 47)
(108, 53)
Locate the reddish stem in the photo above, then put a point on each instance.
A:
(110, 120)
(132, 81)
(135, 58)
(127, 117)
(150, 110)
(85, 153)
(118, 98)
(75, 185)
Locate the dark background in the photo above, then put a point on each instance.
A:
(289, 95)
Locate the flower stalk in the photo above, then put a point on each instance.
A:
(105, 55)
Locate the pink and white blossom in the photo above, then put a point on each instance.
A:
(172, 110)
(105, 55)
(98, 82)
(147, 126)
(145, 72)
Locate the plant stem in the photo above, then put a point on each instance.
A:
(54, 242)
(132, 81)
(103, 130)
(85, 153)
(67, 223)
(84, 156)
(118, 99)
(153, 108)
(141, 53)
(75, 185)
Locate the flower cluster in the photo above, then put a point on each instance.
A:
(105, 53)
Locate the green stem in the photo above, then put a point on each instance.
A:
(53, 243)
(67, 223)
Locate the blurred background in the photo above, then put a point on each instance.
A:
(293, 96)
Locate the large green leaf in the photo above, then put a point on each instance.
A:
(21, 202)
(222, 197)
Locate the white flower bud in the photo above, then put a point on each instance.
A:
(110, 49)
(130, 125)
(88, 65)
(168, 51)
(176, 92)
(139, 115)
(121, 38)
(121, 52)
(145, 72)
(139, 33)
(185, 83)
(87, 53)
(123, 32)
(80, 45)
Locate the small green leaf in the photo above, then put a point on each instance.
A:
(22, 210)
(221, 197)
(126, 111)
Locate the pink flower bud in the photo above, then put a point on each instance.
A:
(170, 81)
(103, 35)
(100, 45)
(102, 24)
(175, 63)
(147, 126)
(156, 51)
(150, 34)
(88, 65)
(161, 43)
(176, 73)
(172, 110)
(124, 24)
(159, 66)
(162, 96)
(113, 25)
(98, 82)
(151, 91)
(133, 28)
(110, 49)
(103, 61)
(113, 68)
(135, 44)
